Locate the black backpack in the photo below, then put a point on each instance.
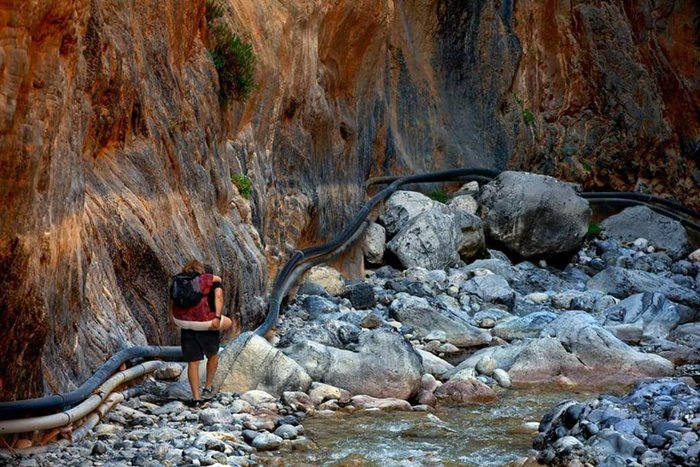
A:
(185, 290)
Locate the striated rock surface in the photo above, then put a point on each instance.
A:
(116, 156)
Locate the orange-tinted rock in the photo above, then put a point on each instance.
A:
(462, 391)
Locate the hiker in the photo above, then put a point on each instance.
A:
(200, 324)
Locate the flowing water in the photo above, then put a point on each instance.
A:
(467, 435)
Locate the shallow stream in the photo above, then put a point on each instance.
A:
(467, 435)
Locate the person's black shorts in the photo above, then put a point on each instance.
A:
(197, 344)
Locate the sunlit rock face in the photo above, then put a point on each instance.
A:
(116, 155)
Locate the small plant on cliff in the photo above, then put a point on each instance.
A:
(214, 9)
(593, 230)
(244, 185)
(439, 196)
(528, 116)
(234, 61)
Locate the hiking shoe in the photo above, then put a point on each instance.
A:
(195, 404)
(207, 394)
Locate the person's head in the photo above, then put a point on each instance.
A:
(193, 266)
(208, 268)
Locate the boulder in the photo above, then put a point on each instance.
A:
(401, 208)
(361, 295)
(471, 241)
(534, 215)
(641, 222)
(328, 278)
(464, 391)
(429, 240)
(418, 313)
(464, 203)
(575, 346)
(368, 402)
(622, 283)
(434, 365)
(651, 312)
(374, 243)
(250, 362)
(490, 289)
(530, 325)
(383, 365)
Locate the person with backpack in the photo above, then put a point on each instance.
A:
(198, 304)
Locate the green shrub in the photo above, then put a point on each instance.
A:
(593, 230)
(439, 195)
(233, 59)
(235, 63)
(214, 9)
(244, 185)
(528, 117)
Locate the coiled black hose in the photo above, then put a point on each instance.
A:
(58, 402)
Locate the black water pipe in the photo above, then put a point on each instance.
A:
(394, 182)
(58, 402)
(312, 253)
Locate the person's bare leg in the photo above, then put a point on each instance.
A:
(212, 364)
(193, 377)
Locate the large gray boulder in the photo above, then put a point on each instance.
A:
(622, 283)
(250, 362)
(576, 346)
(534, 215)
(651, 313)
(384, 365)
(401, 208)
(642, 222)
(425, 318)
(430, 240)
(574, 350)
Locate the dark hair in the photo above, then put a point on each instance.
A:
(208, 268)
(194, 266)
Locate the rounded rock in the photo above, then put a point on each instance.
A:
(502, 378)
(267, 442)
(486, 365)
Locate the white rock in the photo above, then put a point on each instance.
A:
(486, 365)
(267, 442)
(374, 243)
(169, 371)
(501, 377)
(464, 375)
(465, 203)
(482, 272)
(320, 392)
(641, 243)
(539, 298)
(256, 397)
(695, 256)
(328, 278)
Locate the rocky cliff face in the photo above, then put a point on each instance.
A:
(116, 155)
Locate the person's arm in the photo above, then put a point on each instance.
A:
(218, 307)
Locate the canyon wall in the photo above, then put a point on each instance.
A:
(116, 156)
